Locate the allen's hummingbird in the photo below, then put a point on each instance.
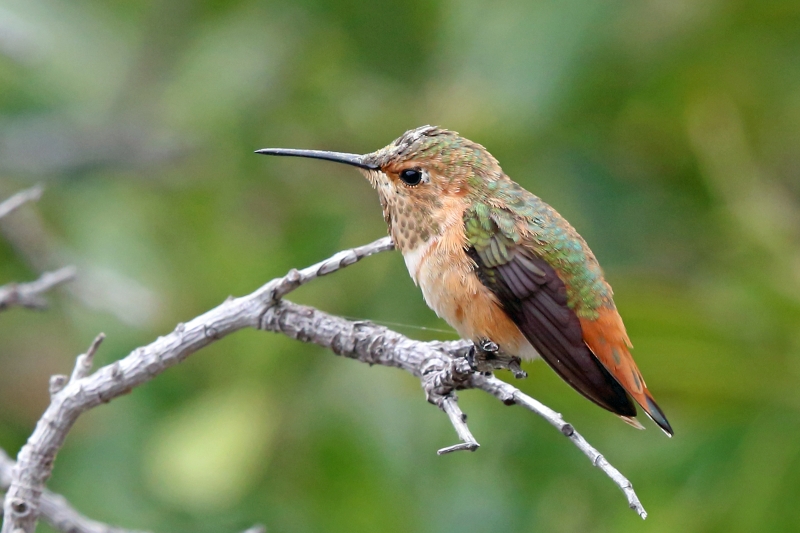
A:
(501, 266)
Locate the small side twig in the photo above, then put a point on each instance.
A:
(83, 363)
(30, 294)
(19, 199)
(441, 376)
(459, 421)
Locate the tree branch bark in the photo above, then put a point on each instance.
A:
(441, 367)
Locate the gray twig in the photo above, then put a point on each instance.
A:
(22, 197)
(459, 421)
(439, 365)
(83, 363)
(30, 294)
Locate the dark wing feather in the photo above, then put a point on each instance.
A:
(536, 300)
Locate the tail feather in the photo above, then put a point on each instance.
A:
(631, 421)
(657, 415)
(608, 341)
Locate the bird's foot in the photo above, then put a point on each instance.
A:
(481, 354)
(485, 356)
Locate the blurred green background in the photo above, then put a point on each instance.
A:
(666, 131)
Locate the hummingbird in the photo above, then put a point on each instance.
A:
(500, 265)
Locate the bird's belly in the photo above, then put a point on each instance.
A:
(452, 289)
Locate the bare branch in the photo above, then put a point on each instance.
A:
(19, 199)
(35, 459)
(459, 421)
(30, 294)
(56, 510)
(441, 367)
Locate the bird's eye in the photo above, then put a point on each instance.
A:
(411, 176)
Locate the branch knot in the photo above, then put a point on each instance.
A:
(20, 507)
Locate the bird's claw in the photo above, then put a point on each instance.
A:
(490, 348)
(478, 356)
(485, 356)
(470, 357)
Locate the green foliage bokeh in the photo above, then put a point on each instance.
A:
(667, 132)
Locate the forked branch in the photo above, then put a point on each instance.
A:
(441, 367)
(29, 294)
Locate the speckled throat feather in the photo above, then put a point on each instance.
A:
(414, 214)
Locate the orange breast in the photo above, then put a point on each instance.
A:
(451, 288)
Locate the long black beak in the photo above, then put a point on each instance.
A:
(348, 159)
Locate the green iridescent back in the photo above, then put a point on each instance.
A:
(497, 232)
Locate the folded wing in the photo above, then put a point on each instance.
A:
(536, 300)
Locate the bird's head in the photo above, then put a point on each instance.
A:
(418, 176)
